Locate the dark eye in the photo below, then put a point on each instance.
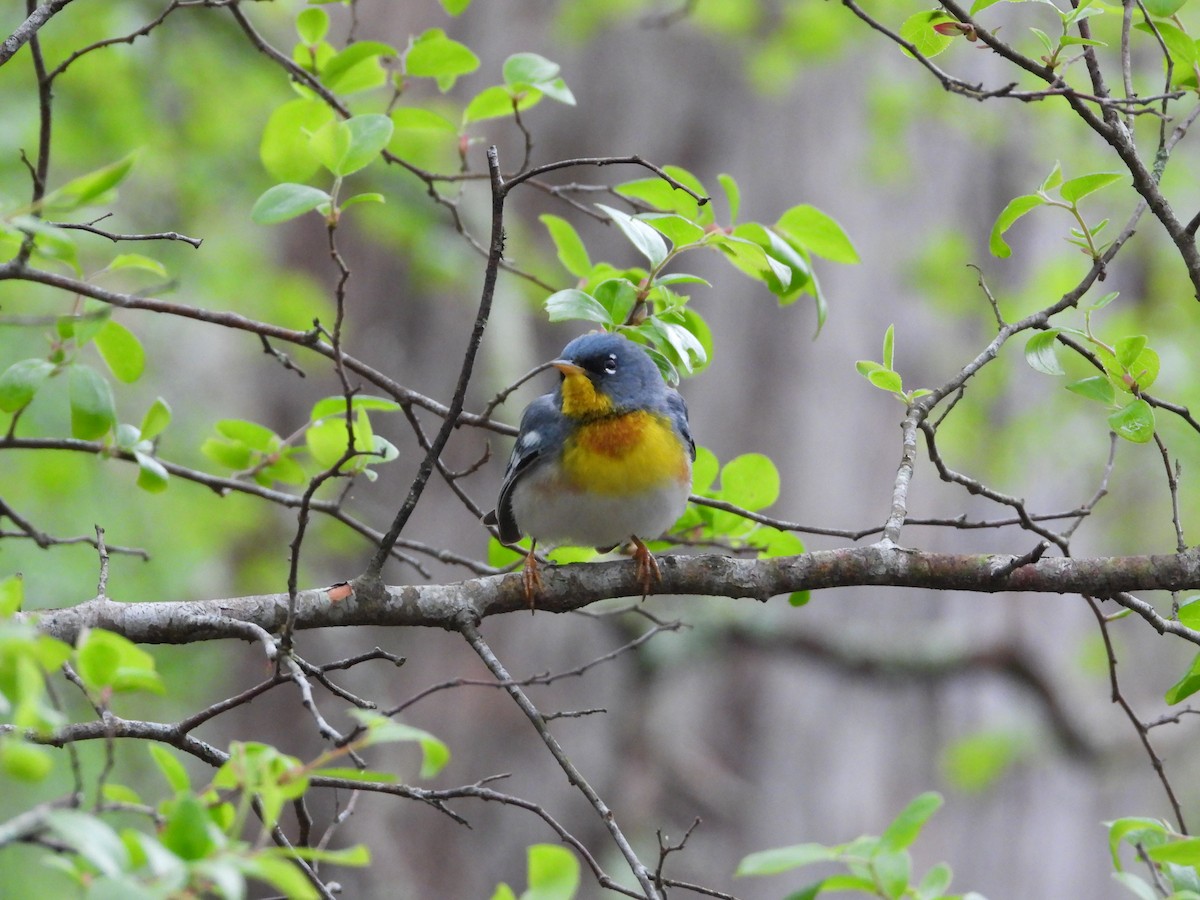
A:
(610, 364)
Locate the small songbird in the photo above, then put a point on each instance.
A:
(603, 460)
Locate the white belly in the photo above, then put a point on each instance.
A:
(552, 514)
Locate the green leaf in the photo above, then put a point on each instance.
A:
(12, 595)
(284, 470)
(21, 381)
(223, 453)
(1136, 886)
(571, 251)
(336, 405)
(282, 875)
(905, 828)
(286, 201)
(357, 855)
(137, 261)
(253, 435)
(1045, 39)
(1164, 8)
(751, 259)
(188, 830)
(1187, 685)
(1134, 830)
(1041, 353)
(886, 380)
(90, 187)
(618, 296)
(357, 67)
(496, 102)
(1076, 189)
(1180, 46)
(704, 470)
(733, 196)
(1128, 349)
(935, 882)
(681, 278)
(121, 351)
(784, 859)
(312, 24)
(1185, 852)
(750, 481)
(918, 30)
(24, 761)
(975, 762)
(889, 347)
(575, 304)
(553, 873)
(686, 348)
(435, 753)
(1053, 180)
(93, 409)
(455, 7)
(675, 228)
(359, 775)
(1189, 611)
(817, 233)
(529, 68)
(660, 194)
(417, 118)
(368, 197)
(1016, 208)
(286, 149)
(1134, 422)
(172, 769)
(107, 660)
(156, 420)
(1098, 388)
(152, 475)
(433, 55)
(648, 241)
(368, 136)
(91, 838)
(328, 441)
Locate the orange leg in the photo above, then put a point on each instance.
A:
(648, 571)
(531, 577)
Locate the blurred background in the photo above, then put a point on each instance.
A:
(773, 725)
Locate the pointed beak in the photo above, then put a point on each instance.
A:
(566, 367)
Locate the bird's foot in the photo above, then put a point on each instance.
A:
(648, 572)
(531, 578)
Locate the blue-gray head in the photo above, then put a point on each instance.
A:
(604, 373)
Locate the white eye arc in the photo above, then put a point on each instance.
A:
(610, 364)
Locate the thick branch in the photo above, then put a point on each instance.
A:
(571, 587)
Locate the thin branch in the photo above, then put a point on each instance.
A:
(114, 237)
(1141, 729)
(495, 253)
(637, 867)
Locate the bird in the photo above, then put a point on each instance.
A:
(602, 461)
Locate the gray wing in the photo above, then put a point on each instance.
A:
(677, 410)
(541, 428)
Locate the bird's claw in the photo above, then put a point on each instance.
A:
(648, 572)
(531, 578)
